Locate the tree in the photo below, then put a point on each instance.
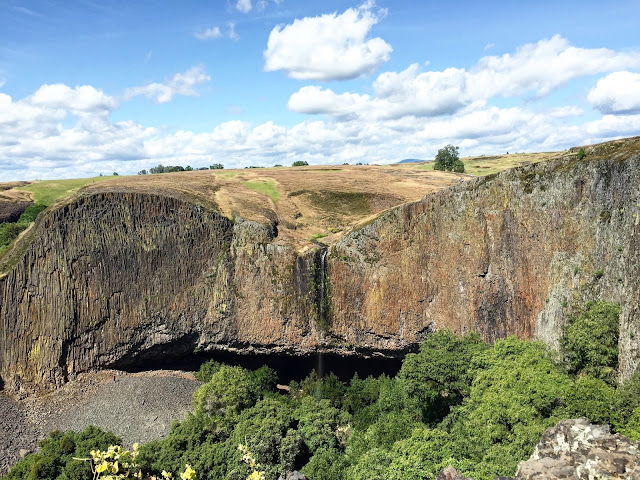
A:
(299, 163)
(590, 342)
(439, 376)
(216, 166)
(448, 159)
(515, 396)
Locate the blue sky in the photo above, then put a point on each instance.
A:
(90, 87)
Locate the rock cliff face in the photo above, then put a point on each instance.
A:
(507, 255)
(114, 277)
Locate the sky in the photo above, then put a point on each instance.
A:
(91, 87)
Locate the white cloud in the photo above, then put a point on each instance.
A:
(84, 98)
(216, 32)
(62, 131)
(543, 67)
(209, 33)
(231, 32)
(328, 47)
(540, 67)
(179, 84)
(398, 94)
(244, 6)
(35, 144)
(618, 92)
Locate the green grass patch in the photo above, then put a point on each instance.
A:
(47, 192)
(422, 166)
(265, 187)
(343, 203)
(318, 236)
(489, 165)
(226, 175)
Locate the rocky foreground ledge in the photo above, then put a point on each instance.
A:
(575, 450)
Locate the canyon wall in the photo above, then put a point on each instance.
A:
(115, 278)
(514, 254)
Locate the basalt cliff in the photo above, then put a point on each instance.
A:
(115, 277)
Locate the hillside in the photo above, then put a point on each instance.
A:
(134, 270)
(307, 202)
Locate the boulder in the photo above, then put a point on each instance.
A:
(577, 450)
(451, 473)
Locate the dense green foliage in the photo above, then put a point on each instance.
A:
(457, 401)
(55, 460)
(9, 231)
(590, 341)
(448, 159)
(299, 163)
(440, 375)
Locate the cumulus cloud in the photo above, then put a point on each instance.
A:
(397, 94)
(179, 84)
(618, 92)
(538, 67)
(84, 98)
(34, 143)
(63, 131)
(544, 66)
(216, 32)
(208, 34)
(328, 47)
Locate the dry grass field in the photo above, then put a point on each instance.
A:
(490, 164)
(312, 203)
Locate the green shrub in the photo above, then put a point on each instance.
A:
(516, 395)
(228, 392)
(9, 231)
(55, 460)
(590, 341)
(207, 369)
(632, 427)
(440, 375)
(592, 398)
(627, 401)
(581, 154)
(31, 212)
(299, 163)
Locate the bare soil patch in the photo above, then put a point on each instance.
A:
(138, 407)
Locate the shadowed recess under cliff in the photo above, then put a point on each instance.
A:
(287, 367)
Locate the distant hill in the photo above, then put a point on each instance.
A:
(413, 160)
